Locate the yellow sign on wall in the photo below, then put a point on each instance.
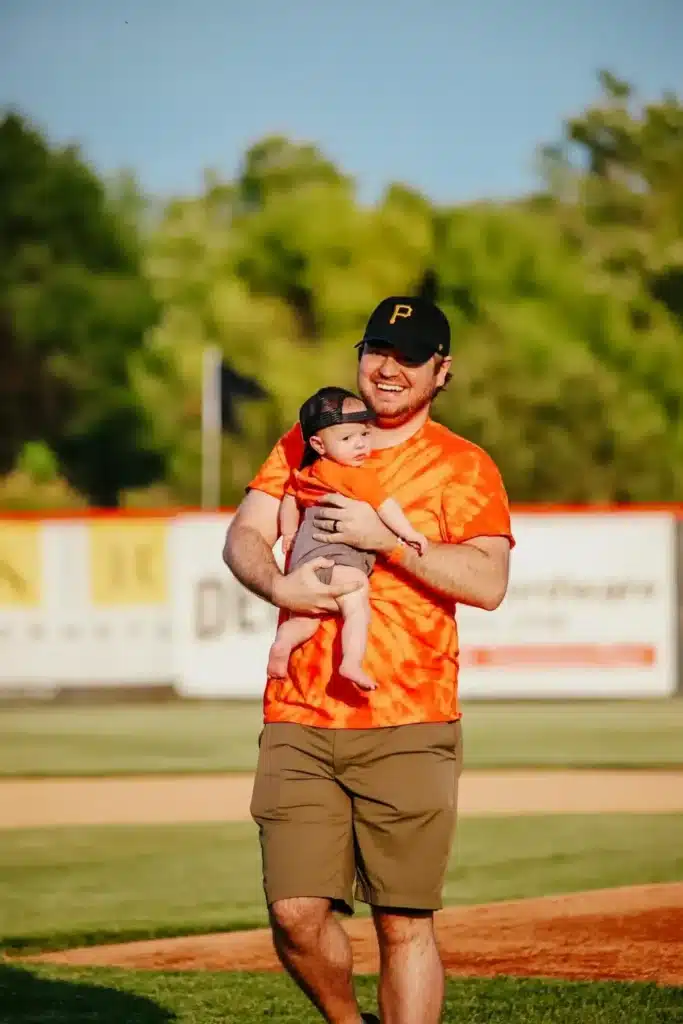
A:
(21, 565)
(128, 562)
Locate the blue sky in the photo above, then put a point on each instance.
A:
(449, 97)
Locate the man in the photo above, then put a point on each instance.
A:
(365, 786)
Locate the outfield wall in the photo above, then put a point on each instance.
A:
(594, 607)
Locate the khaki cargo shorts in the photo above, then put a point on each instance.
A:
(372, 806)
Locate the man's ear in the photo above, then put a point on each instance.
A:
(317, 445)
(443, 371)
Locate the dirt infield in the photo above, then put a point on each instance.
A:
(620, 934)
(29, 803)
(628, 934)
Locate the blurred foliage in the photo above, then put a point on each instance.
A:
(566, 308)
(38, 461)
(34, 484)
(22, 492)
(74, 309)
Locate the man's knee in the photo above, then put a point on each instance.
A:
(299, 920)
(400, 928)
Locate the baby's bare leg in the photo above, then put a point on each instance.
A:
(355, 609)
(292, 633)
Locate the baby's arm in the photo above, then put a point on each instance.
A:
(393, 516)
(289, 520)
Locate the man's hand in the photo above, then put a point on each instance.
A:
(344, 520)
(301, 591)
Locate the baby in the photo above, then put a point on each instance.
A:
(334, 423)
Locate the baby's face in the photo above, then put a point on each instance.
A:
(346, 443)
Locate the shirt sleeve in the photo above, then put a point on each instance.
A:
(274, 475)
(475, 502)
(352, 481)
(290, 486)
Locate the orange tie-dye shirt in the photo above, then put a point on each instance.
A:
(452, 491)
(324, 476)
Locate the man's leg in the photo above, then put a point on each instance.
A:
(316, 952)
(411, 981)
(404, 782)
(306, 833)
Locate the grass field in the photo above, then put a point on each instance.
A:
(61, 887)
(67, 886)
(97, 996)
(221, 737)
(71, 886)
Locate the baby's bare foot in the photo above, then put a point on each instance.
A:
(354, 672)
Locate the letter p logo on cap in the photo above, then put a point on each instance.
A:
(400, 310)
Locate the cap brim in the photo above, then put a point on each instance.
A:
(336, 419)
(416, 355)
(362, 416)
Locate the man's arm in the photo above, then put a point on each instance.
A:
(249, 542)
(475, 572)
(248, 553)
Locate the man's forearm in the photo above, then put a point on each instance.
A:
(461, 572)
(251, 561)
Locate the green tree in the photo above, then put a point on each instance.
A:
(567, 357)
(566, 307)
(35, 484)
(278, 269)
(549, 372)
(74, 307)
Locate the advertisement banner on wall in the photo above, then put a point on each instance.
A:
(21, 566)
(590, 611)
(221, 631)
(84, 603)
(127, 562)
(679, 602)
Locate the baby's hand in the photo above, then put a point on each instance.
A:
(419, 542)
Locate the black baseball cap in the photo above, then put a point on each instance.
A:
(412, 325)
(326, 409)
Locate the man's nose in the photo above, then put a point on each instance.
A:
(389, 367)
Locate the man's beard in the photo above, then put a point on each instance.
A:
(393, 415)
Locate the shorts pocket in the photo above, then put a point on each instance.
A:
(267, 780)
